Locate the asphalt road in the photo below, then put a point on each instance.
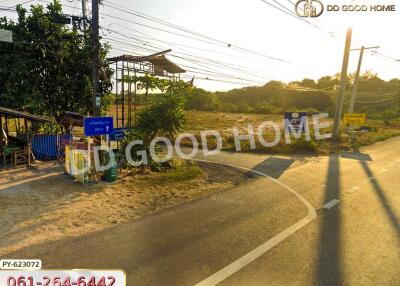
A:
(269, 231)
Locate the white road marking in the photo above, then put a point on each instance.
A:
(331, 204)
(241, 262)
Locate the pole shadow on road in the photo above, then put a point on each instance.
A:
(363, 159)
(356, 156)
(328, 271)
(382, 198)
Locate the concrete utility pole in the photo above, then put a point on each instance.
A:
(84, 15)
(95, 57)
(342, 87)
(357, 77)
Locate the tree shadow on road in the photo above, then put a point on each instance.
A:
(274, 166)
(328, 271)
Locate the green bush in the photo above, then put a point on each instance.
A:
(162, 118)
(303, 146)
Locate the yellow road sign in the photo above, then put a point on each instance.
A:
(354, 118)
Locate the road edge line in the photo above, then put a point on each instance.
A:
(246, 259)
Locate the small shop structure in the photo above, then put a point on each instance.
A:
(18, 144)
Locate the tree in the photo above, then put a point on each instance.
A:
(370, 81)
(307, 82)
(394, 85)
(47, 69)
(274, 84)
(327, 82)
(147, 82)
(201, 99)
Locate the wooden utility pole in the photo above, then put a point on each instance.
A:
(95, 57)
(342, 87)
(357, 76)
(84, 16)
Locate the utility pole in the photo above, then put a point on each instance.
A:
(342, 86)
(357, 77)
(84, 15)
(95, 57)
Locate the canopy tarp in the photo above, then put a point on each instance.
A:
(11, 113)
(159, 62)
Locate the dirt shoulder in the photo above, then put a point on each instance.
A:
(38, 206)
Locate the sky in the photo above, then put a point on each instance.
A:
(248, 42)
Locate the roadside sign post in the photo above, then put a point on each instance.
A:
(354, 120)
(296, 119)
(118, 135)
(97, 126)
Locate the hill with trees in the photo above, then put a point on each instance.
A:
(375, 96)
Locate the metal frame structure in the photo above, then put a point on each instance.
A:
(128, 65)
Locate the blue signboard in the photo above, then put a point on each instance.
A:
(94, 126)
(296, 119)
(118, 135)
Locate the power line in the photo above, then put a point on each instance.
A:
(184, 51)
(210, 40)
(386, 56)
(148, 37)
(207, 71)
(144, 16)
(123, 19)
(214, 41)
(377, 101)
(236, 68)
(197, 57)
(199, 63)
(290, 13)
(216, 80)
(23, 3)
(211, 73)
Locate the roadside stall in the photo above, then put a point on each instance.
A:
(75, 149)
(17, 131)
(85, 133)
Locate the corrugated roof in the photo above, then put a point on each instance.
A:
(158, 61)
(22, 114)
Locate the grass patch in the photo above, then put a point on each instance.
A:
(188, 172)
(380, 130)
(224, 122)
(183, 174)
